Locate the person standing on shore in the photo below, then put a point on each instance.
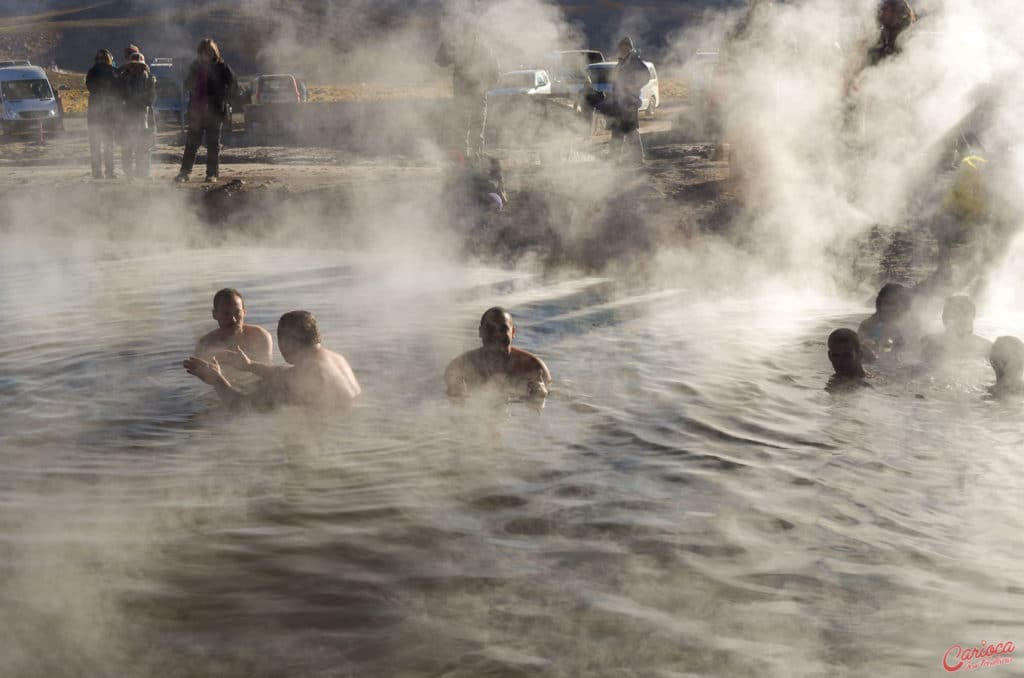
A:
(474, 70)
(102, 83)
(210, 84)
(138, 94)
(628, 78)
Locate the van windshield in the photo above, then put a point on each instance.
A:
(18, 90)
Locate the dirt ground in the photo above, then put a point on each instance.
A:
(683, 189)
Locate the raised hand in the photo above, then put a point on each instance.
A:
(236, 358)
(208, 372)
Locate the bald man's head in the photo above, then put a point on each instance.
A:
(844, 353)
(497, 330)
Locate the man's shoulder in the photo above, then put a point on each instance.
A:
(463, 359)
(211, 337)
(335, 358)
(524, 360)
(981, 343)
(256, 331)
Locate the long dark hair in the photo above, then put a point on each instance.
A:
(208, 44)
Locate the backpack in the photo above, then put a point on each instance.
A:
(138, 89)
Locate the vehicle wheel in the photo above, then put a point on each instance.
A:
(652, 106)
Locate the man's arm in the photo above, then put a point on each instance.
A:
(209, 372)
(238, 359)
(455, 379)
(262, 345)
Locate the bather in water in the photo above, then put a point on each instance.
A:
(496, 366)
(318, 377)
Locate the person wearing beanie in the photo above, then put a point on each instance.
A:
(138, 94)
(628, 78)
(102, 83)
(128, 52)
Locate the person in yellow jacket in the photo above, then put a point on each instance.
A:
(968, 199)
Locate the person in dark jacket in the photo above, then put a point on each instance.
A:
(893, 17)
(138, 94)
(211, 84)
(102, 83)
(628, 78)
(474, 71)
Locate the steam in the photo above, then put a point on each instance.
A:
(829, 148)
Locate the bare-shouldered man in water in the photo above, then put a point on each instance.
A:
(1007, 360)
(232, 332)
(318, 378)
(959, 340)
(497, 365)
(847, 358)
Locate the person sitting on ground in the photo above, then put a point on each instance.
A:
(232, 332)
(497, 364)
(1007, 360)
(959, 340)
(887, 330)
(847, 358)
(318, 378)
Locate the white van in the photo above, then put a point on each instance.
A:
(26, 99)
(650, 95)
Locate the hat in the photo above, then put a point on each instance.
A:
(137, 58)
(129, 50)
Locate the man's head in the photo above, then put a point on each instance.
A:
(228, 308)
(130, 50)
(296, 331)
(894, 15)
(844, 353)
(625, 47)
(1007, 359)
(208, 51)
(892, 302)
(958, 316)
(497, 330)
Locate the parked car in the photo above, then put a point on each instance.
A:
(515, 105)
(276, 89)
(650, 96)
(26, 99)
(568, 70)
(528, 82)
(271, 112)
(169, 109)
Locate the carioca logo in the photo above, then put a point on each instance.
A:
(957, 657)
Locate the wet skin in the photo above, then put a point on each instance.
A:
(498, 366)
(318, 378)
(232, 332)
